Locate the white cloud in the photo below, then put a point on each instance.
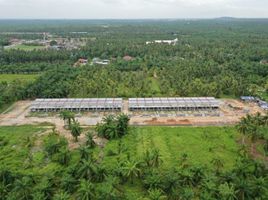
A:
(132, 8)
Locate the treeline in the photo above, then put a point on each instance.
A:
(212, 58)
(20, 56)
(10, 92)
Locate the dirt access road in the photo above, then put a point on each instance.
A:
(231, 111)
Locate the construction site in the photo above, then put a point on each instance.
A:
(205, 111)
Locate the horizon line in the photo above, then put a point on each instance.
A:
(168, 18)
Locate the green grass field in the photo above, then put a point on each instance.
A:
(23, 77)
(201, 144)
(27, 47)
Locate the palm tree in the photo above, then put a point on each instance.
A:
(209, 188)
(152, 158)
(122, 124)
(259, 185)
(64, 156)
(89, 140)
(156, 194)
(61, 196)
(67, 116)
(38, 196)
(242, 128)
(87, 169)
(86, 190)
(227, 192)
(109, 189)
(198, 174)
(68, 183)
(76, 130)
(4, 190)
(187, 194)
(85, 153)
(23, 188)
(243, 188)
(130, 170)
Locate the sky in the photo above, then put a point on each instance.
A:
(131, 9)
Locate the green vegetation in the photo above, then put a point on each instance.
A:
(211, 58)
(201, 145)
(147, 163)
(113, 127)
(15, 143)
(218, 58)
(21, 77)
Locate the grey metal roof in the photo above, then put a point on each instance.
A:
(189, 102)
(77, 103)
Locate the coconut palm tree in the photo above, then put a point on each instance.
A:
(76, 130)
(86, 190)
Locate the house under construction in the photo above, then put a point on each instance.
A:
(134, 104)
(180, 104)
(77, 105)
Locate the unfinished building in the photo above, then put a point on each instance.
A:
(179, 104)
(77, 105)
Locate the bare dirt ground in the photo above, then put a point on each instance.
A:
(230, 113)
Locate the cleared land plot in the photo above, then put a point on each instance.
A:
(201, 144)
(22, 77)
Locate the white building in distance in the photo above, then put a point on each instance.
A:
(169, 42)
